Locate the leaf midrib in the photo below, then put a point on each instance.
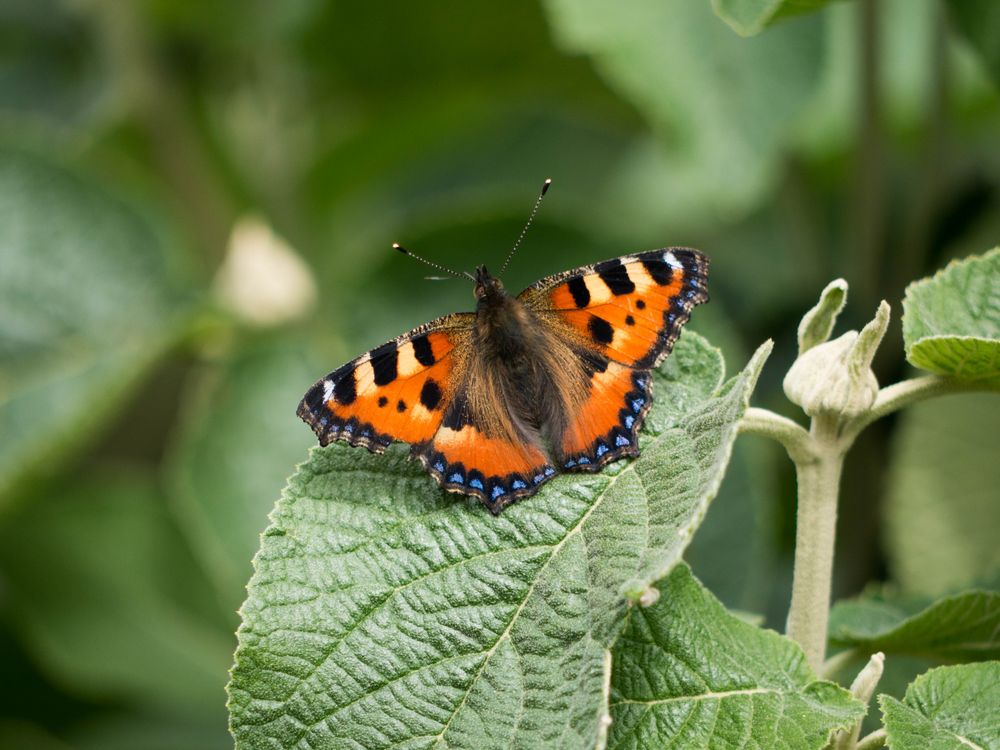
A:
(506, 633)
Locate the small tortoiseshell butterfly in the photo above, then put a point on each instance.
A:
(496, 402)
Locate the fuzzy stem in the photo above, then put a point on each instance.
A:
(896, 396)
(837, 662)
(791, 435)
(815, 532)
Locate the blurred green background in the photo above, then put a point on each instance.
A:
(197, 202)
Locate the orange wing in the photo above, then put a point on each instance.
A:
(630, 309)
(480, 451)
(623, 316)
(397, 391)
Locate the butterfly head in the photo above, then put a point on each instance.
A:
(489, 290)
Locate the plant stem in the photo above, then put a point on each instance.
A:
(896, 396)
(837, 662)
(815, 532)
(790, 434)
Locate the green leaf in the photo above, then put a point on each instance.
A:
(951, 322)
(721, 119)
(103, 590)
(386, 611)
(941, 513)
(749, 17)
(224, 503)
(964, 627)
(978, 20)
(688, 674)
(949, 708)
(88, 299)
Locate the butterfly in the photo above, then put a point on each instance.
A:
(496, 402)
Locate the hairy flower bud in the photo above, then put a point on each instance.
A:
(835, 378)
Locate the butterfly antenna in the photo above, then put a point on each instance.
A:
(432, 264)
(531, 218)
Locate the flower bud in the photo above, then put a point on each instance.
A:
(835, 378)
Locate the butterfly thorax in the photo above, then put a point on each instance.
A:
(512, 341)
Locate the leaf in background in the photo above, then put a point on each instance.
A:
(52, 78)
(105, 593)
(385, 610)
(978, 21)
(951, 321)
(964, 627)
(721, 106)
(941, 512)
(686, 673)
(233, 453)
(88, 299)
(948, 708)
(749, 17)
(731, 553)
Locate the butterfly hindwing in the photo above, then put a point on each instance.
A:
(478, 450)
(630, 309)
(605, 427)
(397, 391)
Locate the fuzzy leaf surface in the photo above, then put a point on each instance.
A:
(688, 674)
(385, 611)
(951, 321)
(949, 708)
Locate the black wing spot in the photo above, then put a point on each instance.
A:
(640, 304)
(578, 288)
(629, 320)
(658, 271)
(615, 276)
(400, 406)
(345, 391)
(384, 361)
(422, 350)
(382, 401)
(601, 330)
(430, 395)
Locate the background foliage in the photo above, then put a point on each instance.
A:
(147, 421)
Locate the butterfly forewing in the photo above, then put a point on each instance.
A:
(397, 391)
(631, 309)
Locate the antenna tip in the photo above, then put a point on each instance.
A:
(397, 246)
(545, 186)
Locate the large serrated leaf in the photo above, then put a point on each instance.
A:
(951, 322)
(749, 17)
(88, 298)
(687, 674)
(949, 708)
(386, 611)
(964, 627)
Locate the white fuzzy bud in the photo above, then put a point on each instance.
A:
(835, 378)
